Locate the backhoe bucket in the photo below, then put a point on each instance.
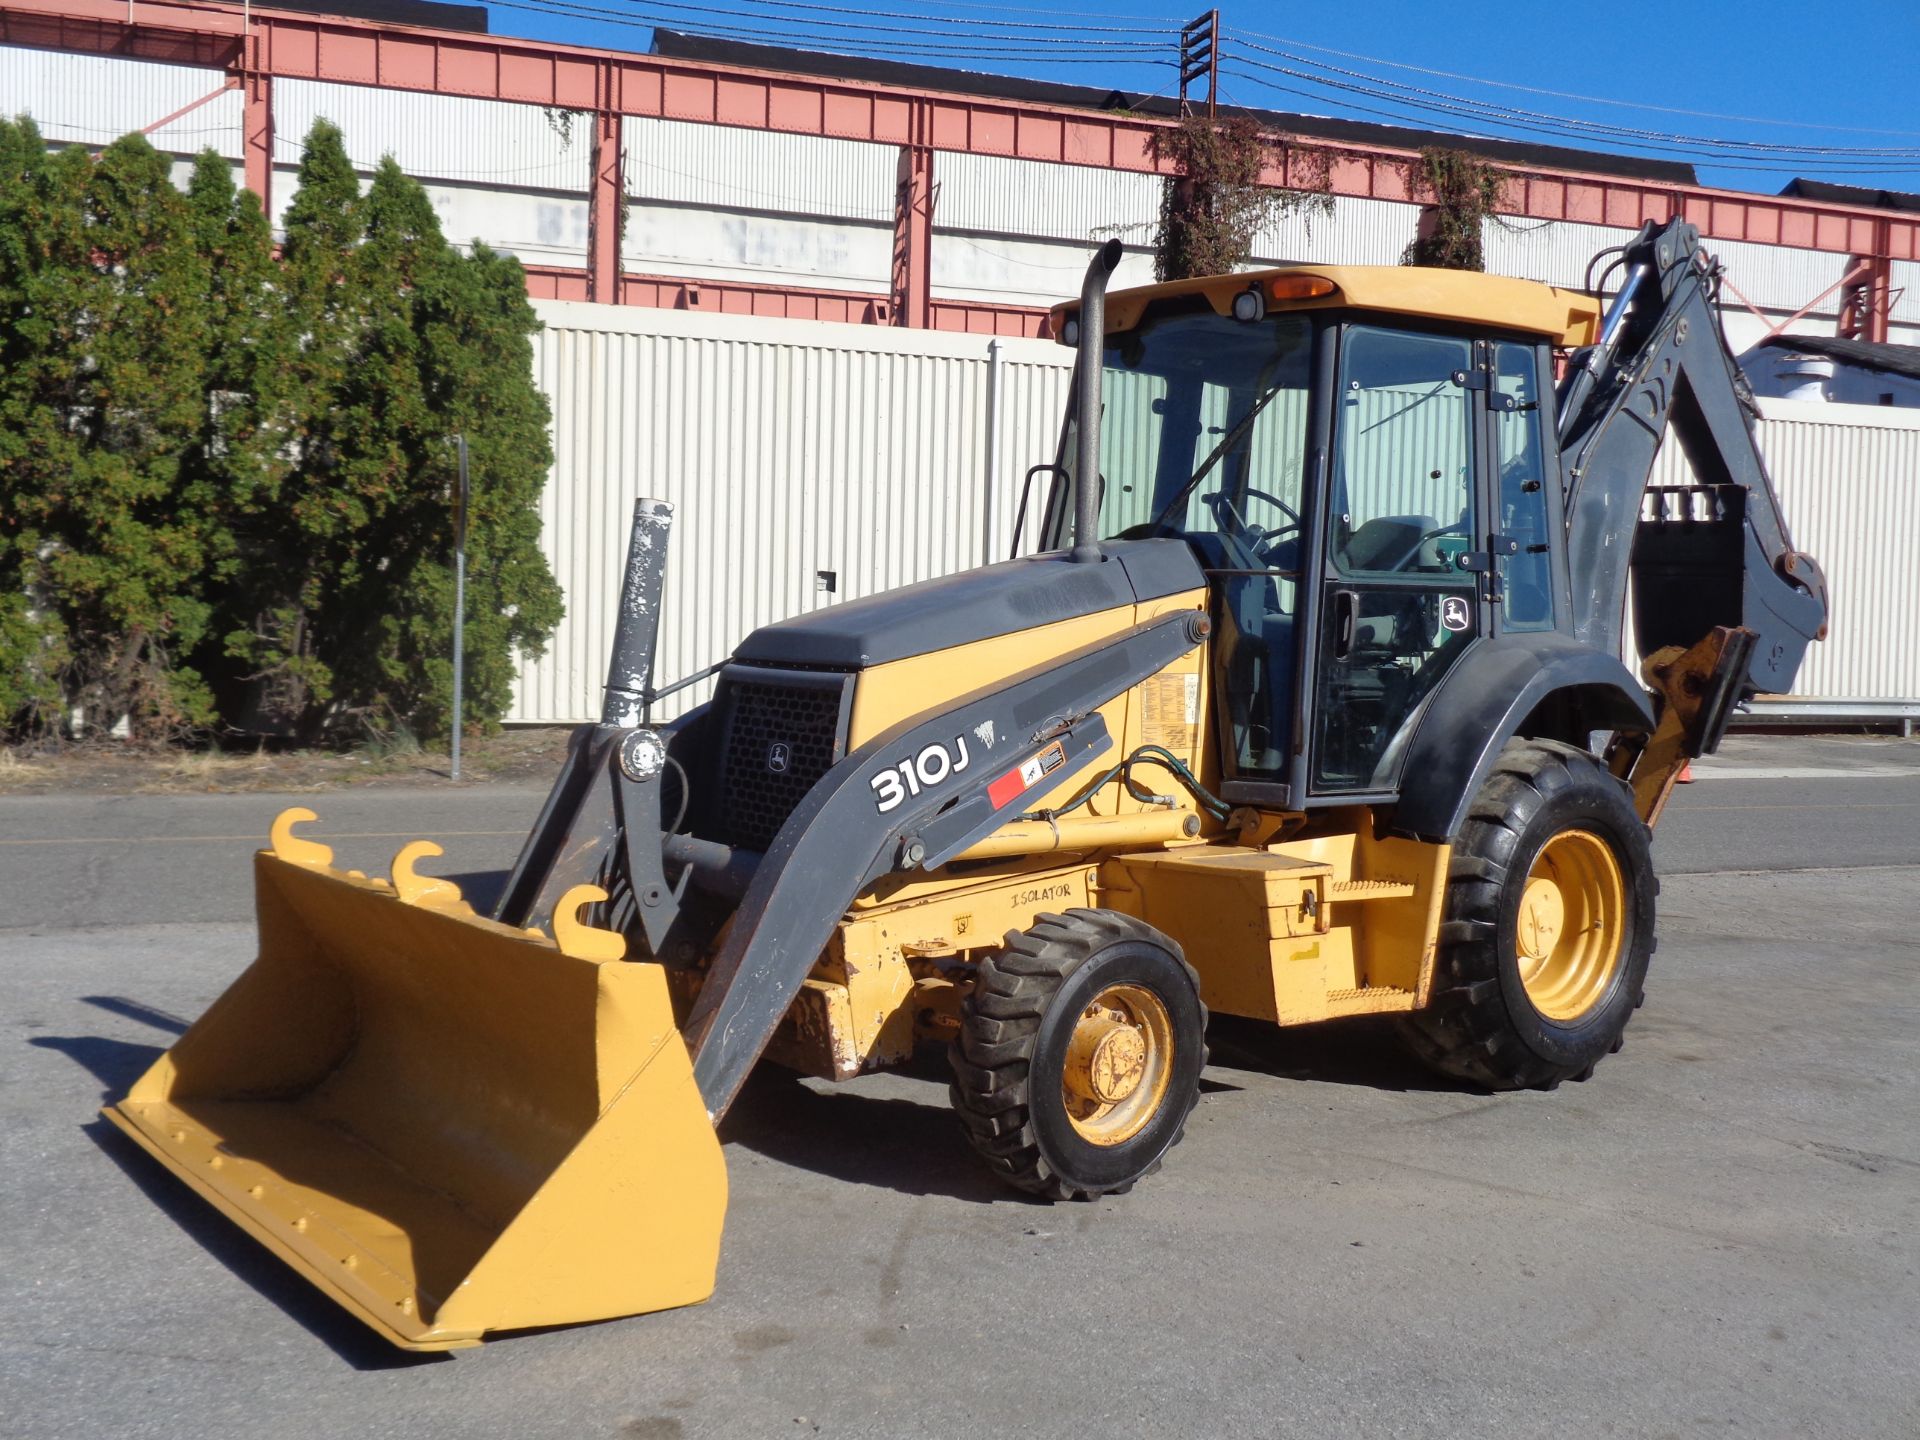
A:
(450, 1126)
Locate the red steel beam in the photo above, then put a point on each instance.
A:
(343, 51)
(256, 136)
(785, 302)
(605, 211)
(913, 229)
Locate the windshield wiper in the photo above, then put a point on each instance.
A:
(1231, 438)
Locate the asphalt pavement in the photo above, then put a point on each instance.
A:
(1715, 1236)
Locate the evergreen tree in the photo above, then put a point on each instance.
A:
(390, 459)
(207, 453)
(250, 343)
(446, 351)
(404, 343)
(296, 544)
(478, 329)
(104, 531)
(32, 658)
(239, 456)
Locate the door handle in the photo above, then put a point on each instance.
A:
(1345, 610)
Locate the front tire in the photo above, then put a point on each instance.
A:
(1549, 925)
(1080, 1054)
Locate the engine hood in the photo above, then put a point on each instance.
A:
(980, 604)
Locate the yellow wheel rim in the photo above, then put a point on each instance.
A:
(1571, 931)
(1119, 1060)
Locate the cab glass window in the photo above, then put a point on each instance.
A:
(1403, 473)
(1526, 601)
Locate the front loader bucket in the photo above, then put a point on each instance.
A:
(450, 1126)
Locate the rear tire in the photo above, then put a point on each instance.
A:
(1079, 1054)
(1549, 925)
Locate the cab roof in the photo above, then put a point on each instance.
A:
(1567, 318)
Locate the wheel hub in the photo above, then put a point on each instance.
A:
(1570, 935)
(1107, 1058)
(1118, 1063)
(1543, 915)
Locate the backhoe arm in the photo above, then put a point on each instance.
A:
(1715, 554)
(1724, 605)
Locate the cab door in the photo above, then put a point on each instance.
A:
(1401, 598)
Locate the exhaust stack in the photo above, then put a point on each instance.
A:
(636, 633)
(1086, 463)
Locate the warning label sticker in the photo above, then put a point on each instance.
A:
(1170, 712)
(1027, 774)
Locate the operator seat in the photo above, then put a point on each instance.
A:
(1387, 542)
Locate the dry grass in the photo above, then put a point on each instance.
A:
(17, 773)
(521, 756)
(201, 771)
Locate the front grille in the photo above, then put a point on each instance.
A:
(782, 735)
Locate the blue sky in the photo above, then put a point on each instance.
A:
(1840, 84)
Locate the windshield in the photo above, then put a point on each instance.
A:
(1206, 396)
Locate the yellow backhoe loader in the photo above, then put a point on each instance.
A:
(1311, 706)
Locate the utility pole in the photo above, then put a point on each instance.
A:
(1200, 55)
(459, 605)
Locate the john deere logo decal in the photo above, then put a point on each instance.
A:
(779, 757)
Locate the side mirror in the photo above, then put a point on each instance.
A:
(1026, 494)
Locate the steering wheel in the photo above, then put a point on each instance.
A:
(1278, 504)
(1257, 541)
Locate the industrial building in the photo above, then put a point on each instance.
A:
(898, 217)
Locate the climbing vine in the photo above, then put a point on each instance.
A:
(1213, 204)
(1466, 191)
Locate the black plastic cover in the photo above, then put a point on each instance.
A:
(994, 600)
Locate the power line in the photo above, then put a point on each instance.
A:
(1570, 95)
(972, 32)
(1530, 133)
(1074, 28)
(1171, 21)
(1842, 162)
(1446, 100)
(895, 34)
(947, 47)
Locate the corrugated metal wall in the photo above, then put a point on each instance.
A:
(1849, 481)
(789, 448)
(439, 137)
(793, 448)
(94, 100)
(1774, 277)
(731, 169)
(741, 204)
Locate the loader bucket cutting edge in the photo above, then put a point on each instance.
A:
(450, 1126)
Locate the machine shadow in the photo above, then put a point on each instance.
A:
(902, 1144)
(116, 1064)
(250, 1262)
(1364, 1052)
(481, 888)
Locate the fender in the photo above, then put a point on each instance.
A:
(850, 830)
(1484, 702)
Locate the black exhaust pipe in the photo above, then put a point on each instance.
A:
(1086, 461)
(636, 629)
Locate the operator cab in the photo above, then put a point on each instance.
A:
(1358, 457)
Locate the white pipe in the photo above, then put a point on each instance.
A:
(993, 452)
